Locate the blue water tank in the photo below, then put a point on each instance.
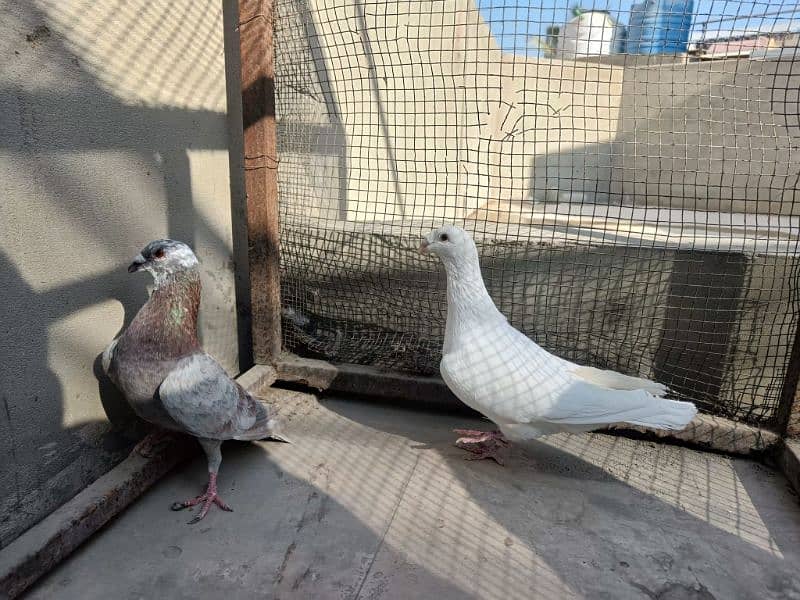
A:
(659, 27)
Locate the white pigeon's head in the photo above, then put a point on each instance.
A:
(449, 243)
(163, 258)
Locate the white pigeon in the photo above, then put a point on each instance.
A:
(528, 392)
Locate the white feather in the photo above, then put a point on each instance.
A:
(527, 391)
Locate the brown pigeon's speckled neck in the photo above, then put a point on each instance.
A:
(166, 326)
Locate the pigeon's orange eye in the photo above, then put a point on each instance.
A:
(443, 237)
(159, 253)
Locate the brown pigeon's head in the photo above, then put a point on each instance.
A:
(163, 258)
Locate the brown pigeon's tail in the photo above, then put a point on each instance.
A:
(266, 426)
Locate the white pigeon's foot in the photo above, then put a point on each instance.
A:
(207, 499)
(149, 443)
(483, 444)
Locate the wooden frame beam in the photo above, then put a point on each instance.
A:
(788, 416)
(257, 51)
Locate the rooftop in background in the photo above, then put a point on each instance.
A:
(521, 26)
(744, 45)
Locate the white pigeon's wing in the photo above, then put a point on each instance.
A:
(617, 381)
(503, 374)
(200, 396)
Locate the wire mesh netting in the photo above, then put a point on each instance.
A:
(628, 170)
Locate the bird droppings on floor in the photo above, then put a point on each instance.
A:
(374, 502)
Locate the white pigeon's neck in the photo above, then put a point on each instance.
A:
(468, 302)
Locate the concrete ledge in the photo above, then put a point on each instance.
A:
(717, 433)
(788, 458)
(257, 379)
(707, 431)
(47, 543)
(430, 392)
(54, 538)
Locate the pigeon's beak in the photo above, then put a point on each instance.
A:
(137, 264)
(423, 246)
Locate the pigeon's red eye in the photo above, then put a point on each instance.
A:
(159, 253)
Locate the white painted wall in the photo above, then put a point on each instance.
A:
(114, 131)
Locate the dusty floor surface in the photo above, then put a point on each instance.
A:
(373, 502)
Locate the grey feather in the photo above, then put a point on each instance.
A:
(108, 355)
(200, 396)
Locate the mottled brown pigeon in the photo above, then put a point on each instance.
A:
(169, 380)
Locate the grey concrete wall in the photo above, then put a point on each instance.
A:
(415, 111)
(115, 131)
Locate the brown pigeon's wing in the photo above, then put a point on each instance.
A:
(108, 356)
(200, 396)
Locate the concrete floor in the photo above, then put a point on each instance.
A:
(373, 502)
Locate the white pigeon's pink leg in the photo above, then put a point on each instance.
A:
(151, 441)
(476, 436)
(482, 444)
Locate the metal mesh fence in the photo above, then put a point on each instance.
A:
(629, 172)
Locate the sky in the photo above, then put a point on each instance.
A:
(514, 22)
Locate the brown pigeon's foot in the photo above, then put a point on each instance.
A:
(207, 499)
(483, 444)
(151, 442)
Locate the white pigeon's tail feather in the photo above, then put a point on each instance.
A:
(665, 414)
(590, 404)
(618, 381)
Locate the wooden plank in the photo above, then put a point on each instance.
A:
(788, 459)
(707, 431)
(257, 49)
(788, 417)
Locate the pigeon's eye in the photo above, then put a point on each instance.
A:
(159, 253)
(443, 237)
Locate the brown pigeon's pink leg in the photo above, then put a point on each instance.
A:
(207, 499)
(214, 455)
(482, 444)
(150, 442)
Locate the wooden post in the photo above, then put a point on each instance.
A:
(788, 418)
(257, 50)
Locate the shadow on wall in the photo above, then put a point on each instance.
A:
(92, 176)
(47, 463)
